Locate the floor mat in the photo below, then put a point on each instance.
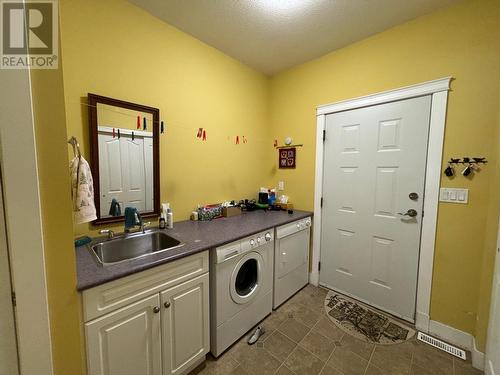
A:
(364, 322)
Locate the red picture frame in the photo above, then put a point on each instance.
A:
(287, 157)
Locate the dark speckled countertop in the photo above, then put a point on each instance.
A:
(197, 236)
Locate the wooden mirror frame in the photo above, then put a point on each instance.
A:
(93, 100)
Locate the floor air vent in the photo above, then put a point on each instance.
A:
(441, 345)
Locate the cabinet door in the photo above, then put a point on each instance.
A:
(185, 325)
(127, 341)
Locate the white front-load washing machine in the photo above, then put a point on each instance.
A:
(241, 288)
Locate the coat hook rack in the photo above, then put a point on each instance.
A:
(468, 160)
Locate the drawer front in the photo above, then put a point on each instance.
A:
(118, 293)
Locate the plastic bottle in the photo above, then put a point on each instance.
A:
(170, 219)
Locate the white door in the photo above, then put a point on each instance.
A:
(8, 342)
(127, 341)
(493, 345)
(185, 325)
(122, 172)
(374, 171)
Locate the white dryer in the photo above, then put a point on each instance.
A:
(241, 288)
(291, 269)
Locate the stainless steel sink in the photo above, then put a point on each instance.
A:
(132, 246)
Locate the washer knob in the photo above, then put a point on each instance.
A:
(258, 239)
(252, 242)
(268, 236)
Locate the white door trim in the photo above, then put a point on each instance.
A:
(439, 90)
(490, 339)
(24, 223)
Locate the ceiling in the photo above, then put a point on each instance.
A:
(272, 35)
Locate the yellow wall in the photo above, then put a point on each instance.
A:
(460, 41)
(55, 197)
(115, 49)
(122, 118)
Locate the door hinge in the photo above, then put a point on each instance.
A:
(321, 202)
(324, 135)
(319, 266)
(13, 296)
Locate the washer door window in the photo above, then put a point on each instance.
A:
(246, 278)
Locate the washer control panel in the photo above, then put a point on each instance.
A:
(236, 248)
(257, 240)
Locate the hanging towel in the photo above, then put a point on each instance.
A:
(82, 191)
(115, 209)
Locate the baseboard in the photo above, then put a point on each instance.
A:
(422, 322)
(478, 360)
(459, 338)
(451, 335)
(314, 278)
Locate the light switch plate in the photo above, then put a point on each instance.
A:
(454, 195)
(281, 185)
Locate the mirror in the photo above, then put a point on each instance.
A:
(124, 140)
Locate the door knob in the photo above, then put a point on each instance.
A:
(156, 309)
(411, 213)
(167, 305)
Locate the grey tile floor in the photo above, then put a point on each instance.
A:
(301, 340)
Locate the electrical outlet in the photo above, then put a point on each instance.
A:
(451, 195)
(281, 185)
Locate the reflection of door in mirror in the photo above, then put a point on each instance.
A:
(125, 160)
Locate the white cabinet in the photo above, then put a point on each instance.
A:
(185, 325)
(126, 341)
(152, 323)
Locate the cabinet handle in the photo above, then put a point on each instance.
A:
(167, 305)
(156, 309)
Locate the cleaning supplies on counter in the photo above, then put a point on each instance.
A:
(170, 218)
(161, 222)
(167, 215)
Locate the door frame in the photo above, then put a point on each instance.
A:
(24, 223)
(488, 370)
(438, 89)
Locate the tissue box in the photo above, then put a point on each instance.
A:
(231, 211)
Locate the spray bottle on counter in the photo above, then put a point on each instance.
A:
(168, 215)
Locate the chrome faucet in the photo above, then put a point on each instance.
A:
(142, 225)
(109, 232)
(133, 219)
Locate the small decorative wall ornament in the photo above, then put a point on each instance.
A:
(288, 141)
(287, 157)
